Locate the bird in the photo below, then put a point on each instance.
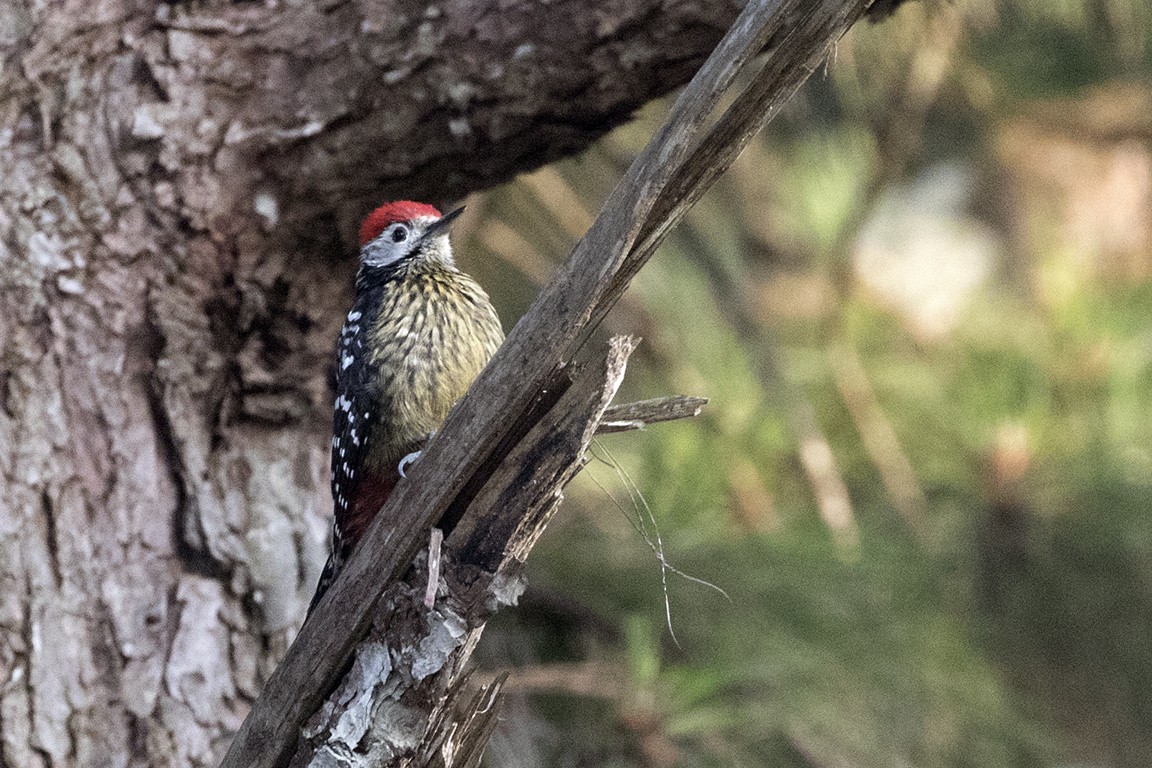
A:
(417, 335)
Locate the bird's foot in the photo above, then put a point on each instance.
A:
(406, 462)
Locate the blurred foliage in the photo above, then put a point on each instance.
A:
(935, 264)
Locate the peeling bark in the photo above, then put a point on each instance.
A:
(492, 475)
(409, 670)
(179, 190)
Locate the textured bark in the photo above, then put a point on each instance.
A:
(397, 706)
(179, 186)
(477, 478)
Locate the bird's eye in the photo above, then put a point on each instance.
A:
(400, 234)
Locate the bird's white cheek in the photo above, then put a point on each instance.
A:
(381, 253)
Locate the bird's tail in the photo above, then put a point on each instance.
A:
(369, 497)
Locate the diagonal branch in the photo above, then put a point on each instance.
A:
(411, 665)
(532, 371)
(815, 452)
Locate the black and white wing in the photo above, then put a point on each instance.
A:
(351, 422)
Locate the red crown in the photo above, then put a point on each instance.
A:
(390, 213)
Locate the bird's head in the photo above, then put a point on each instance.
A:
(404, 229)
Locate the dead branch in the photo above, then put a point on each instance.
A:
(629, 416)
(815, 452)
(591, 679)
(492, 476)
(413, 657)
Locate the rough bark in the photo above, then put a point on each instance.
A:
(476, 478)
(397, 706)
(179, 185)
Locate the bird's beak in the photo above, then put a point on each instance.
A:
(442, 224)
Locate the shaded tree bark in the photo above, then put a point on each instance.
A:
(180, 183)
(494, 473)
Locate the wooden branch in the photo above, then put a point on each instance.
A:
(361, 101)
(630, 416)
(592, 679)
(814, 451)
(532, 372)
(412, 661)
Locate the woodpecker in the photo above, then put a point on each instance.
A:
(418, 333)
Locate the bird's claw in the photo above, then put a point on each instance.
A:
(406, 462)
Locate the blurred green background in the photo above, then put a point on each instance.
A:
(921, 307)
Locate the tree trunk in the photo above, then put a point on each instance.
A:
(180, 183)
